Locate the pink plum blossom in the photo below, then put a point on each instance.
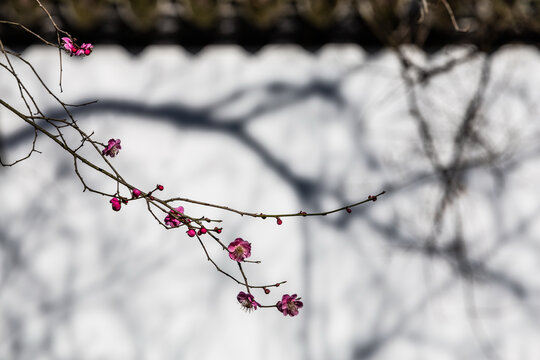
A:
(172, 221)
(68, 44)
(289, 305)
(87, 48)
(239, 249)
(112, 148)
(116, 204)
(247, 301)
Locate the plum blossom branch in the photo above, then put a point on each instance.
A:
(264, 215)
(124, 192)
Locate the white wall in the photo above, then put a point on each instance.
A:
(282, 130)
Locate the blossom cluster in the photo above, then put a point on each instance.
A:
(74, 49)
(174, 219)
(288, 305)
(239, 250)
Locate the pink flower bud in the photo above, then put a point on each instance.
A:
(191, 233)
(279, 221)
(116, 204)
(160, 187)
(136, 193)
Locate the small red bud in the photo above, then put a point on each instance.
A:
(151, 197)
(191, 233)
(125, 201)
(279, 222)
(348, 210)
(199, 232)
(267, 291)
(203, 230)
(159, 187)
(277, 285)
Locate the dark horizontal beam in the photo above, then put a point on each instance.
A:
(255, 23)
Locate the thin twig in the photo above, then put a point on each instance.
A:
(452, 17)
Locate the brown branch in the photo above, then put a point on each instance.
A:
(452, 17)
(264, 215)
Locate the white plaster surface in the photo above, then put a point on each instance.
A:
(79, 281)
